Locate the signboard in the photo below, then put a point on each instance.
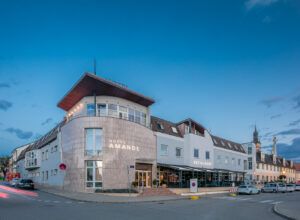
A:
(62, 166)
(131, 166)
(193, 185)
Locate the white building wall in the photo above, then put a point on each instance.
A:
(172, 143)
(250, 175)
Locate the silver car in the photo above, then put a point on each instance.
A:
(248, 189)
(297, 187)
(290, 187)
(274, 187)
(14, 182)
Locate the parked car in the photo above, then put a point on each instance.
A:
(297, 188)
(290, 187)
(248, 189)
(274, 187)
(26, 184)
(14, 182)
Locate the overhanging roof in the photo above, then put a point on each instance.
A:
(90, 83)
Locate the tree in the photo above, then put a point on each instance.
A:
(4, 162)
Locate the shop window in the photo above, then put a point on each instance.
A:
(164, 149)
(196, 153)
(90, 110)
(93, 142)
(102, 110)
(93, 174)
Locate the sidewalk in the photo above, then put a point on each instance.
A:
(100, 198)
(288, 210)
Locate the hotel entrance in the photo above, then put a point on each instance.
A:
(143, 175)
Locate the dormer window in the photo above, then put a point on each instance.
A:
(160, 126)
(174, 130)
(215, 141)
(230, 146)
(223, 144)
(235, 146)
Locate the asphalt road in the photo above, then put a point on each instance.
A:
(43, 206)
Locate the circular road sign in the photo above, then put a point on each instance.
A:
(62, 166)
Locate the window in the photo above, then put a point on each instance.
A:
(55, 172)
(257, 165)
(223, 144)
(236, 147)
(43, 177)
(143, 119)
(159, 125)
(101, 110)
(239, 162)
(249, 149)
(226, 160)
(250, 163)
(262, 166)
(219, 158)
(207, 155)
(123, 112)
(93, 174)
(90, 110)
(178, 152)
(46, 154)
(186, 129)
(230, 146)
(215, 141)
(54, 148)
(46, 177)
(93, 142)
(174, 130)
(196, 153)
(233, 161)
(131, 114)
(137, 117)
(43, 153)
(112, 110)
(164, 149)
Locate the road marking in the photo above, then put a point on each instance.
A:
(244, 199)
(266, 201)
(274, 203)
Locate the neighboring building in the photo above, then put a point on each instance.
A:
(297, 167)
(270, 167)
(15, 154)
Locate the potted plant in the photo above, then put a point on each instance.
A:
(134, 184)
(154, 182)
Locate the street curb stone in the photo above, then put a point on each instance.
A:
(277, 212)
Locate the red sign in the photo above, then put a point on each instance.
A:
(63, 166)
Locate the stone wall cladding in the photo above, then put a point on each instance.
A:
(115, 161)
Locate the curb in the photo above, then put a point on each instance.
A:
(116, 202)
(277, 212)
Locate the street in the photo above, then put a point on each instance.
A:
(19, 204)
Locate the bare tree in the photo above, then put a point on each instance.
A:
(4, 161)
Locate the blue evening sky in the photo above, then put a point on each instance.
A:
(226, 64)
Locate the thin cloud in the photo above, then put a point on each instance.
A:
(297, 101)
(293, 123)
(275, 116)
(295, 131)
(5, 105)
(20, 133)
(255, 3)
(4, 85)
(271, 101)
(47, 121)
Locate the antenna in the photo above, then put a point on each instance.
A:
(95, 66)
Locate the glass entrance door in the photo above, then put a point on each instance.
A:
(143, 178)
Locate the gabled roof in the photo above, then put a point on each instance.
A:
(90, 83)
(167, 127)
(226, 144)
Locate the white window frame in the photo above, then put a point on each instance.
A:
(164, 153)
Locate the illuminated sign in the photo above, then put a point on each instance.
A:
(202, 163)
(120, 144)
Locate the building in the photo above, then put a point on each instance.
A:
(108, 140)
(270, 167)
(15, 154)
(297, 167)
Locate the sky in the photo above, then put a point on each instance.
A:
(225, 64)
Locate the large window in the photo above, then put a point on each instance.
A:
(164, 149)
(250, 163)
(93, 142)
(137, 117)
(196, 153)
(249, 149)
(91, 110)
(93, 174)
(178, 152)
(102, 110)
(112, 110)
(123, 112)
(130, 114)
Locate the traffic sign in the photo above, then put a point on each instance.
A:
(62, 166)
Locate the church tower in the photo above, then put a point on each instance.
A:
(256, 140)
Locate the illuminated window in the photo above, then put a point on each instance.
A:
(93, 142)
(93, 174)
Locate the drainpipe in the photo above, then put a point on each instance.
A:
(94, 102)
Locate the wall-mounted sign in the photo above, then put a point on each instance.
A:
(132, 166)
(122, 145)
(202, 163)
(62, 166)
(193, 185)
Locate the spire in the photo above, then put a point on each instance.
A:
(255, 135)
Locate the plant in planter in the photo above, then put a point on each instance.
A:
(134, 184)
(154, 182)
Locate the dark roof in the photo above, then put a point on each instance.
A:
(229, 145)
(167, 126)
(269, 160)
(46, 139)
(199, 126)
(90, 83)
